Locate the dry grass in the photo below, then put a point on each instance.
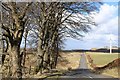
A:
(69, 60)
(112, 72)
(31, 60)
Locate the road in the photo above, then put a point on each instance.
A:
(83, 62)
(84, 72)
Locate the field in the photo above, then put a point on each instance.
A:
(69, 60)
(112, 72)
(101, 59)
(66, 61)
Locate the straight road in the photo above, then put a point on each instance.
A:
(83, 62)
(84, 72)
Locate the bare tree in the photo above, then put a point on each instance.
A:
(14, 32)
(50, 22)
(71, 19)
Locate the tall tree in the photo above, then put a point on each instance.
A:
(52, 22)
(17, 17)
(71, 19)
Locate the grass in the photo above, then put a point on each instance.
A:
(67, 60)
(101, 59)
(112, 72)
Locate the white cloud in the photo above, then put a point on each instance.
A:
(111, 26)
(106, 12)
(107, 20)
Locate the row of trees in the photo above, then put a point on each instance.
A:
(48, 24)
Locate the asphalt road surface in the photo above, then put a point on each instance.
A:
(83, 62)
(84, 72)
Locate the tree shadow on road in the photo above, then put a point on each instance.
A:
(78, 72)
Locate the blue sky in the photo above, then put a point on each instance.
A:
(107, 20)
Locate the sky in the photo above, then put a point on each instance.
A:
(98, 37)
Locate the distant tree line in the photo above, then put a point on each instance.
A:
(97, 50)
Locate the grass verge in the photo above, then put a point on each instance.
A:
(101, 59)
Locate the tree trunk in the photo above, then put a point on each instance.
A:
(24, 52)
(4, 51)
(56, 55)
(39, 64)
(16, 62)
(46, 59)
(40, 55)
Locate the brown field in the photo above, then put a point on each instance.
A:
(69, 60)
(66, 60)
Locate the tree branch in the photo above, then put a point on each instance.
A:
(6, 29)
(25, 10)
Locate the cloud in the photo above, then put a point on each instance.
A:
(107, 20)
(111, 26)
(106, 13)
